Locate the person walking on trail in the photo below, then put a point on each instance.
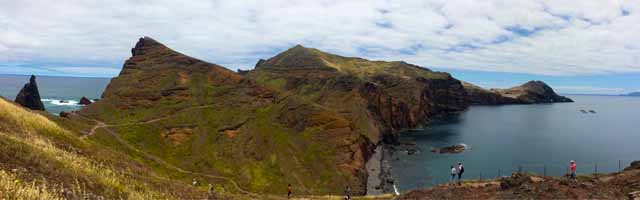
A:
(460, 171)
(195, 183)
(573, 169)
(453, 173)
(347, 193)
(212, 194)
(289, 191)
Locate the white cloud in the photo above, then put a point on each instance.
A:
(566, 37)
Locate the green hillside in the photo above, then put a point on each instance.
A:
(42, 159)
(203, 118)
(382, 98)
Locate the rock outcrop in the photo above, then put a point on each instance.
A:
(633, 165)
(84, 101)
(29, 96)
(531, 92)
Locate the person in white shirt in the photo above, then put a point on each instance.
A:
(453, 173)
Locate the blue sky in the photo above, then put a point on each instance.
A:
(587, 46)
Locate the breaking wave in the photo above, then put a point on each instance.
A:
(59, 102)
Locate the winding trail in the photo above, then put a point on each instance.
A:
(102, 125)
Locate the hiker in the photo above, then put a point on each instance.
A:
(460, 171)
(347, 193)
(195, 183)
(212, 194)
(289, 191)
(573, 169)
(453, 174)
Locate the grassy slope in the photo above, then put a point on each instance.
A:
(270, 144)
(39, 158)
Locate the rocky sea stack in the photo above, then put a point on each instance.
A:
(29, 96)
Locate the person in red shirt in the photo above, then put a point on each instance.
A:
(289, 191)
(573, 169)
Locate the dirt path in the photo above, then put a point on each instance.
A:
(102, 125)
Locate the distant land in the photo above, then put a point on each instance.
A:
(633, 94)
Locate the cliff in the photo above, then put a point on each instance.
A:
(204, 118)
(29, 96)
(382, 97)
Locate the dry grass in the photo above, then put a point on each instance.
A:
(33, 133)
(11, 187)
(21, 119)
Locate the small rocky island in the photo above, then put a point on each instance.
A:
(458, 148)
(29, 96)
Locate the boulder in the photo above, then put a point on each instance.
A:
(29, 96)
(634, 165)
(65, 114)
(84, 101)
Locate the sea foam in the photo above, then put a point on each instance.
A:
(58, 103)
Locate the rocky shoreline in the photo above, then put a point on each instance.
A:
(380, 180)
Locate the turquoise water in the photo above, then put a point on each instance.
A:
(54, 89)
(540, 138)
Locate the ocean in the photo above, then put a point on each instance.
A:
(53, 90)
(539, 139)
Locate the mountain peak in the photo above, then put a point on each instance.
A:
(299, 46)
(144, 44)
(297, 57)
(537, 86)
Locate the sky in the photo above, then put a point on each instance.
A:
(586, 46)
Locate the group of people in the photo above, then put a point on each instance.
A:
(457, 171)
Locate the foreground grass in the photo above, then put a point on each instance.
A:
(41, 160)
(11, 187)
